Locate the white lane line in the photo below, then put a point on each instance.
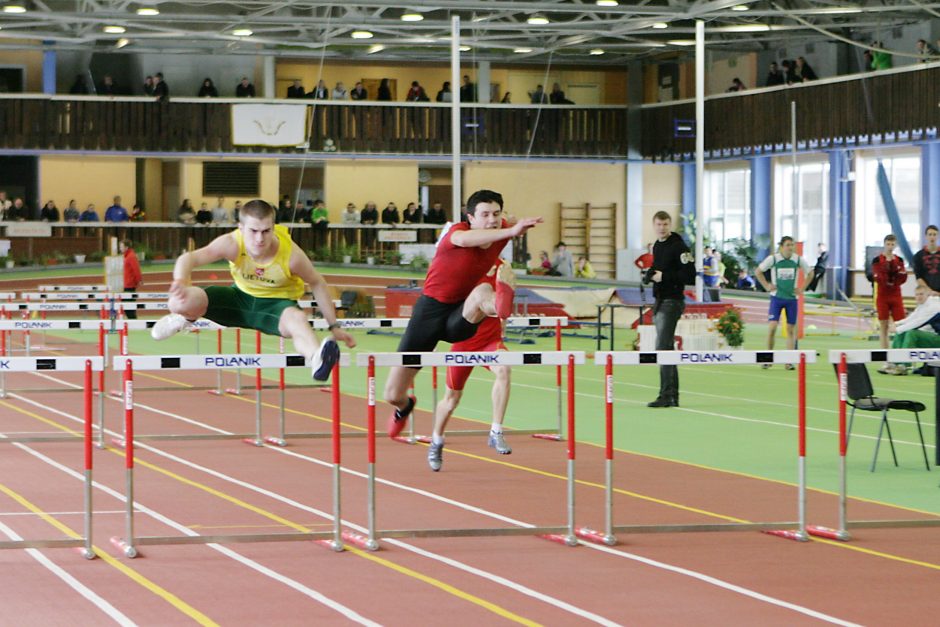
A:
(112, 612)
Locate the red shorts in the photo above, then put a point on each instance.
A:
(893, 304)
(488, 338)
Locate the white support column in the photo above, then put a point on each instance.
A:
(456, 181)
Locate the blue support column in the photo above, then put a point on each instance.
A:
(688, 190)
(48, 70)
(760, 202)
(930, 185)
(840, 222)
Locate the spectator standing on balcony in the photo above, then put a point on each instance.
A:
(160, 89)
(445, 95)
(107, 87)
(204, 215)
(737, 85)
(774, 76)
(148, 86)
(208, 89)
(359, 92)
(245, 89)
(5, 204)
(385, 91)
(416, 93)
(296, 90)
(557, 96)
(926, 51)
(411, 215)
(507, 98)
(320, 219)
(789, 72)
(285, 212)
(49, 212)
(350, 218)
(436, 214)
(186, 214)
(132, 276)
(339, 92)
(369, 216)
(79, 87)
(220, 214)
(868, 62)
(138, 213)
(116, 213)
(468, 91)
(881, 59)
(71, 213)
(21, 212)
(390, 214)
(538, 96)
(89, 214)
(805, 71)
(320, 92)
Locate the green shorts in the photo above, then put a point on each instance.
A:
(231, 307)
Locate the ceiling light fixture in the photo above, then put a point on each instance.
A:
(411, 17)
(660, 25)
(148, 11)
(123, 41)
(537, 20)
(114, 30)
(465, 48)
(14, 8)
(681, 42)
(834, 11)
(742, 28)
(596, 51)
(242, 32)
(607, 3)
(522, 50)
(375, 48)
(740, 7)
(361, 34)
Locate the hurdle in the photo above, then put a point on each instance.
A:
(840, 359)
(73, 288)
(564, 534)
(128, 364)
(86, 365)
(702, 358)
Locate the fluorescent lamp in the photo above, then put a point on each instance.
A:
(411, 17)
(114, 30)
(606, 3)
(242, 32)
(596, 52)
(660, 25)
(465, 48)
(14, 8)
(522, 50)
(361, 34)
(123, 41)
(681, 42)
(740, 7)
(148, 11)
(537, 20)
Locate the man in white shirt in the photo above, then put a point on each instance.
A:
(909, 333)
(5, 204)
(221, 215)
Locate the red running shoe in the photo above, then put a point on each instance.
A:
(399, 418)
(505, 290)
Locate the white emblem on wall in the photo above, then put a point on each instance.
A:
(268, 124)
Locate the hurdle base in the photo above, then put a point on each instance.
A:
(560, 538)
(403, 439)
(116, 393)
(828, 532)
(333, 545)
(788, 534)
(276, 441)
(118, 442)
(596, 537)
(424, 439)
(233, 391)
(216, 392)
(253, 441)
(553, 437)
(124, 547)
(360, 541)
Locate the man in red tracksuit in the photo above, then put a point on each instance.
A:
(132, 276)
(889, 273)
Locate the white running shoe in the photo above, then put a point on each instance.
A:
(324, 359)
(169, 325)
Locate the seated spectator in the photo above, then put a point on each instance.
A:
(186, 214)
(244, 89)
(5, 204)
(339, 92)
(220, 214)
(286, 212)
(320, 92)
(562, 262)
(116, 213)
(296, 90)
(49, 212)
(926, 51)
(236, 210)
(320, 219)
(390, 214)
(19, 212)
(745, 281)
(804, 70)
(436, 214)
(416, 93)
(204, 215)
(507, 98)
(774, 76)
(868, 62)
(148, 86)
(385, 91)
(445, 95)
(79, 87)
(160, 89)
(71, 213)
(583, 269)
(789, 72)
(208, 89)
(369, 214)
(138, 213)
(557, 96)
(545, 265)
(359, 92)
(881, 59)
(737, 85)
(107, 87)
(538, 96)
(350, 215)
(89, 214)
(645, 261)
(411, 215)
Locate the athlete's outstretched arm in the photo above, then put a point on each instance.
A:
(482, 237)
(222, 247)
(300, 265)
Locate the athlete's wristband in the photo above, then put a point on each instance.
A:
(333, 325)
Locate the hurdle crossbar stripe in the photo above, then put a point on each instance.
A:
(694, 358)
(96, 296)
(501, 358)
(213, 362)
(59, 364)
(7, 295)
(307, 303)
(894, 355)
(73, 288)
(47, 306)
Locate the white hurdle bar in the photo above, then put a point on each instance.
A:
(702, 358)
(128, 364)
(563, 534)
(87, 365)
(840, 359)
(73, 288)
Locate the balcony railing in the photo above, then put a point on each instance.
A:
(199, 125)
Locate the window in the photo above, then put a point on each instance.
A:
(727, 214)
(231, 178)
(812, 206)
(871, 220)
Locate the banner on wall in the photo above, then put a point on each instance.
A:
(269, 124)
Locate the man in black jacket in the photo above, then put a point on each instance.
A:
(672, 270)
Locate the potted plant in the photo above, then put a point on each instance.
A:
(731, 327)
(79, 258)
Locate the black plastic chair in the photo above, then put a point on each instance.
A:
(861, 396)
